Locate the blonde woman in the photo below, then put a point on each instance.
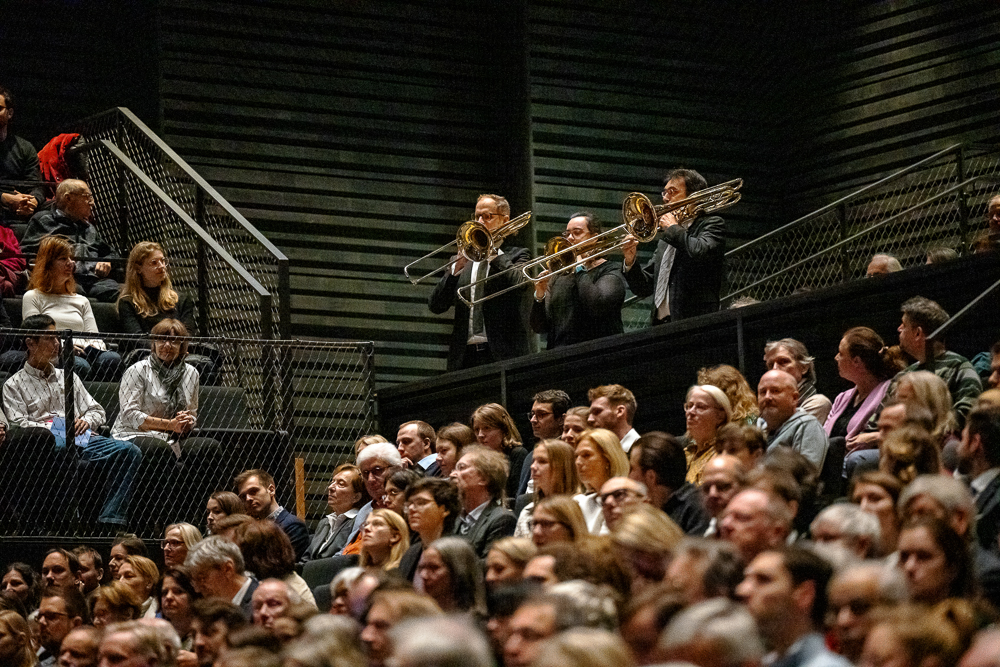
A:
(495, 429)
(553, 471)
(706, 410)
(384, 539)
(646, 538)
(599, 457)
(741, 396)
(507, 559)
(15, 641)
(557, 519)
(177, 539)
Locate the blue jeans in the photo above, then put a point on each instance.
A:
(118, 460)
(860, 461)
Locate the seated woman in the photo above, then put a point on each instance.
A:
(599, 457)
(791, 356)
(52, 292)
(450, 573)
(741, 397)
(175, 594)
(114, 603)
(159, 409)
(384, 540)
(141, 575)
(706, 410)
(148, 297)
(553, 470)
(268, 553)
(450, 441)
(495, 429)
(431, 510)
(177, 539)
(220, 505)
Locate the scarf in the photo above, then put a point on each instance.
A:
(806, 390)
(171, 377)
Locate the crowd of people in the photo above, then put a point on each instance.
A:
(782, 528)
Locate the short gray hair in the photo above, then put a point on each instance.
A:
(725, 624)
(382, 451)
(152, 639)
(435, 641)
(214, 551)
(949, 492)
(852, 522)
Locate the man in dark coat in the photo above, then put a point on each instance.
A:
(685, 275)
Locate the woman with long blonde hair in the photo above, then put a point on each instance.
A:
(495, 429)
(385, 537)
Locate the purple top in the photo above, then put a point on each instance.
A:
(857, 423)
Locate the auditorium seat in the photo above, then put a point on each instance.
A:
(105, 314)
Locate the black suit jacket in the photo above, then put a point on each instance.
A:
(696, 276)
(988, 516)
(327, 542)
(505, 317)
(296, 530)
(245, 604)
(494, 523)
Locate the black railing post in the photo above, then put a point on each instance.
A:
(963, 201)
(122, 195)
(368, 350)
(284, 300)
(845, 268)
(69, 409)
(202, 269)
(267, 362)
(741, 344)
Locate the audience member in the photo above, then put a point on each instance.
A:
(33, 399)
(114, 603)
(746, 442)
(882, 265)
(547, 416)
(141, 574)
(272, 600)
(22, 583)
(785, 591)
(706, 410)
(213, 620)
(854, 593)
(979, 458)
(345, 496)
(415, 441)
(175, 596)
(268, 554)
(741, 395)
(613, 407)
(449, 443)
(137, 643)
(431, 508)
(52, 291)
(909, 451)
(877, 493)
(506, 561)
(574, 424)
(397, 481)
(599, 457)
(850, 527)
(755, 521)
(439, 642)
(495, 430)
(723, 477)
(373, 461)
(217, 571)
(80, 647)
(451, 574)
(658, 461)
(69, 219)
(941, 255)
(257, 491)
(18, 163)
(62, 608)
(935, 561)
(713, 633)
(16, 645)
(618, 496)
(792, 357)
(539, 618)
(557, 519)
(91, 568)
(553, 472)
(481, 476)
(645, 540)
(220, 505)
(384, 540)
(702, 569)
(387, 609)
(123, 546)
(786, 424)
(912, 636)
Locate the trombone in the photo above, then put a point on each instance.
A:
(640, 219)
(474, 242)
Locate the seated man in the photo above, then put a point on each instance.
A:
(785, 423)
(256, 489)
(882, 265)
(34, 400)
(213, 620)
(70, 218)
(21, 192)
(217, 571)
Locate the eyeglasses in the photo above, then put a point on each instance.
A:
(171, 544)
(377, 471)
(419, 504)
(486, 217)
(669, 192)
(544, 524)
(698, 407)
(86, 196)
(156, 263)
(538, 414)
(617, 495)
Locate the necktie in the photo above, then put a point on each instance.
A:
(662, 279)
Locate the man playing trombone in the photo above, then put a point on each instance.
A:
(582, 304)
(495, 329)
(685, 274)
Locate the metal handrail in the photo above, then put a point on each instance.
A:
(854, 237)
(263, 295)
(283, 267)
(953, 321)
(843, 200)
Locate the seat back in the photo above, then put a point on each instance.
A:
(222, 407)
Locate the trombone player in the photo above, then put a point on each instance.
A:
(495, 329)
(583, 304)
(685, 274)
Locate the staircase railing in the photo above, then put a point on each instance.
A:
(145, 191)
(923, 206)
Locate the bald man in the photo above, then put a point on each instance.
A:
(786, 424)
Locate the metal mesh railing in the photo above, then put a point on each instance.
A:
(260, 404)
(924, 206)
(129, 209)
